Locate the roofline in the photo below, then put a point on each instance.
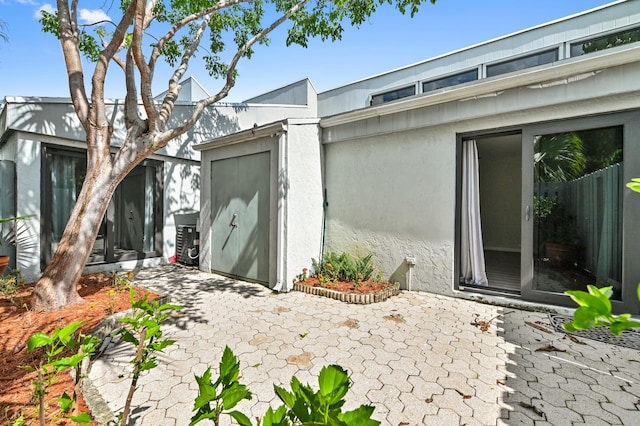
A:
(473, 46)
(487, 87)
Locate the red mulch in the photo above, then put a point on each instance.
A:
(101, 298)
(364, 287)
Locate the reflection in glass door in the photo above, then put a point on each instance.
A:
(578, 188)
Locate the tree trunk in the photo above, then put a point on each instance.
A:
(57, 287)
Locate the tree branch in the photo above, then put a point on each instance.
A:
(174, 82)
(157, 49)
(230, 81)
(71, 52)
(146, 75)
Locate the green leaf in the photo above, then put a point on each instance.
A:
(619, 326)
(207, 392)
(605, 291)
(229, 367)
(81, 418)
(233, 394)
(149, 364)
(66, 333)
(68, 362)
(239, 417)
(285, 396)
(361, 416)
(634, 185)
(276, 418)
(38, 340)
(66, 403)
(203, 415)
(128, 337)
(597, 302)
(302, 410)
(584, 318)
(334, 383)
(161, 344)
(638, 290)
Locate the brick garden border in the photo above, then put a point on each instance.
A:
(357, 298)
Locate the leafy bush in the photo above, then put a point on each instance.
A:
(302, 406)
(335, 267)
(53, 362)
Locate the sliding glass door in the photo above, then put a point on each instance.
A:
(544, 209)
(574, 205)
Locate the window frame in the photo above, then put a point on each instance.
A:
(489, 66)
(372, 101)
(109, 255)
(601, 36)
(448, 76)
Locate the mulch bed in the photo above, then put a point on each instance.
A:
(101, 298)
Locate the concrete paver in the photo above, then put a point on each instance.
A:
(417, 357)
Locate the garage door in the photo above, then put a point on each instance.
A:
(240, 216)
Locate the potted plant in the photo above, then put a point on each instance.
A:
(557, 232)
(4, 259)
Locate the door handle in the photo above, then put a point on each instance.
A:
(527, 213)
(233, 221)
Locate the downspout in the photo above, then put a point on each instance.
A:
(283, 183)
(411, 262)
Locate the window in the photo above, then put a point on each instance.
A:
(393, 95)
(132, 226)
(605, 42)
(522, 62)
(578, 228)
(451, 80)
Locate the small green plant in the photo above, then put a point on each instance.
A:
(145, 334)
(301, 277)
(214, 398)
(122, 280)
(334, 267)
(304, 406)
(10, 283)
(55, 362)
(18, 419)
(595, 310)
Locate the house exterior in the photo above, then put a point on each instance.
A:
(459, 173)
(42, 163)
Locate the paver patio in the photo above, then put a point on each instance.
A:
(417, 357)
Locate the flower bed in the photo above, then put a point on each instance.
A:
(364, 293)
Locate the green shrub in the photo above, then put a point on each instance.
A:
(335, 267)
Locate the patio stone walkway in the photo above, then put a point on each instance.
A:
(417, 357)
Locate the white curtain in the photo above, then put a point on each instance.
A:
(472, 266)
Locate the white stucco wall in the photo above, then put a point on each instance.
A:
(304, 197)
(295, 192)
(391, 177)
(393, 196)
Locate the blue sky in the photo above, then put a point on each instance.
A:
(31, 62)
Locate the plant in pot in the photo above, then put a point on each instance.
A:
(4, 259)
(557, 232)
